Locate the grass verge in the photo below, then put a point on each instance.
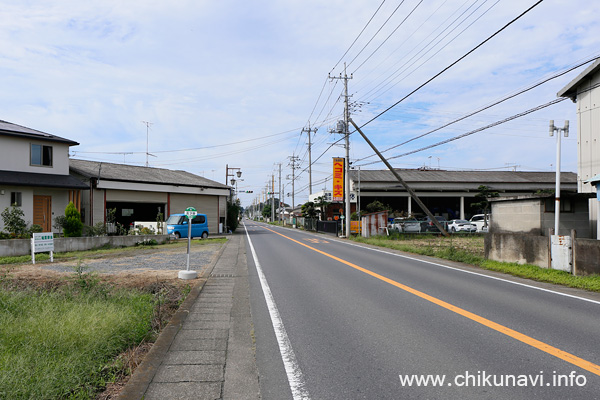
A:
(469, 252)
(71, 339)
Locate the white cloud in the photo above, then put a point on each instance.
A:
(210, 73)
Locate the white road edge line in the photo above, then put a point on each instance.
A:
(465, 271)
(292, 369)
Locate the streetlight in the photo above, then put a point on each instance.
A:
(227, 175)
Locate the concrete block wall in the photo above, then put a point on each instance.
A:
(517, 247)
(22, 247)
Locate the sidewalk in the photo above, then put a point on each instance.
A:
(206, 351)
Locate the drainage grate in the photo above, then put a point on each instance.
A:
(223, 275)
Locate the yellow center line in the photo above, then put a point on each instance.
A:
(563, 355)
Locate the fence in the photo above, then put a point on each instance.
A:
(535, 249)
(22, 247)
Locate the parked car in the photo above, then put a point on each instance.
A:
(406, 224)
(479, 221)
(177, 224)
(461, 225)
(428, 226)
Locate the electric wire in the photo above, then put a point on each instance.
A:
(376, 33)
(506, 98)
(452, 64)
(389, 36)
(551, 103)
(359, 35)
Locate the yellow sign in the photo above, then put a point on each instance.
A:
(338, 179)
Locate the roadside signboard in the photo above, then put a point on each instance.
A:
(190, 212)
(41, 242)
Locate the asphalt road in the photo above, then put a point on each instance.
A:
(356, 323)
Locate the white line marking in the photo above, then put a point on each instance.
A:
(292, 369)
(462, 270)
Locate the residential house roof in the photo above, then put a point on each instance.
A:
(137, 174)
(14, 178)
(10, 129)
(571, 89)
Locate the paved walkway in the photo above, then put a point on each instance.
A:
(206, 351)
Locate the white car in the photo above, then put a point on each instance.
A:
(479, 221)
(408, 224)
(461, 225)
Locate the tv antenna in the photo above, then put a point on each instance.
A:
(147, 129)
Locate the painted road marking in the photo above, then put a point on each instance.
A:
(563, 355)
(292, 369)
(315, 240)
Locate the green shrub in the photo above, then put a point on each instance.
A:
(73, 224)
(14, 221)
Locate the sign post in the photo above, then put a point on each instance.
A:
(41, 242)
(190, 213)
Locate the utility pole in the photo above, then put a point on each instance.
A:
(279, 214)
(309, 130)
(272, 197)
(147, 135)
(558, 131)
(347, 134)
(293, 163)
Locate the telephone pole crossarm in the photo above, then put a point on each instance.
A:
(413, 195)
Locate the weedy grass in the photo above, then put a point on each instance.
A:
(63, 343)
(469, 250)
(106, 250)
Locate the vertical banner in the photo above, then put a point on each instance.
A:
(338, 179)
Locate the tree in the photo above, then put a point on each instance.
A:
(14, 221)
(233, 214)
(73, 225)
(309, 210)
(484, 204)
(266, 212)
(322, 205)
(376, 206)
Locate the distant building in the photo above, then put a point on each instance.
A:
(450, 193)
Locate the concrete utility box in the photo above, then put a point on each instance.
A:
(562, 252)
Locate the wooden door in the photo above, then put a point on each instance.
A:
(42, 212)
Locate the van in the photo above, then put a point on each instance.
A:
(177, 224)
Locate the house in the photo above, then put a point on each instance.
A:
(142, 193)
(34, 174)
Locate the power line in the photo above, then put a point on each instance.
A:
(508, 97)
(551, 103)
(453, 64)
(361, 32)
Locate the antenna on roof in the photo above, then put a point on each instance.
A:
(147, 128)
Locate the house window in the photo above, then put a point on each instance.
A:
(41, 155)
(15, 199)
(565, 205)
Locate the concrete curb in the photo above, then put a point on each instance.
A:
(138, 383)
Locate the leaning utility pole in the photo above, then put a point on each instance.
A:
(347, 134)
(309, 130)
(408, 189)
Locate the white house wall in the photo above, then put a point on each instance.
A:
(15, 156)
(588, 144)
(60, 200)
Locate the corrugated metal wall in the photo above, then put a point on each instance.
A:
(204, 204)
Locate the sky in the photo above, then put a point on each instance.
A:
(203, 85)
